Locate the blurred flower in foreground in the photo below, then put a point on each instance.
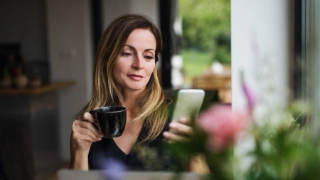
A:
(113, 169)
(222, 125)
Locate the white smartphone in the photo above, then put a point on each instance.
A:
(188, 103)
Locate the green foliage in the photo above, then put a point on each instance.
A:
(195, 63)
(206, 27)
(291, 152)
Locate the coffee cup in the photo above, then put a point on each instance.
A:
(110, 120)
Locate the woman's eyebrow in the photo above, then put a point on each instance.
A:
(132, 48)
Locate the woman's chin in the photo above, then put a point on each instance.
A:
(136, 88)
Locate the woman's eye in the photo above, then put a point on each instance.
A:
(126, 54)
(149, 57)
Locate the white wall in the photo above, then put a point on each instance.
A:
(262, 46)
(147, 7)
(70, 56)
(114, 8)
(24, 22)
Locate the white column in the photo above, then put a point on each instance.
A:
(262, 47)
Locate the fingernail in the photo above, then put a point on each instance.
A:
(183, 119)
(173, 125)
(165, 134)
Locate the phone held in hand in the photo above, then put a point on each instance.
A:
(188, 103)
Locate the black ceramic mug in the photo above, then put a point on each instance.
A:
(110, 120)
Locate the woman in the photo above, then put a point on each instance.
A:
(125, 74)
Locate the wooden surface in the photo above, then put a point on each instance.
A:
(210, 81)
(38, 90)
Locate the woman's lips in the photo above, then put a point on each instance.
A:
(135, 77)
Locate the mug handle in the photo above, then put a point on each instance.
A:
(95, 124)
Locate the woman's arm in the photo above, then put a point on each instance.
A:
(79, 159)
(82, 135)
(198, 164)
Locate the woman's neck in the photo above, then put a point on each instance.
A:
(130, 101)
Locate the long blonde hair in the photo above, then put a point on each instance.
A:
(152, 102)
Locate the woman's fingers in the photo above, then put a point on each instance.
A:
(174, 137)
(181, 129)
(80, 137)
(86, 128)
(88, 117)
(84, 132)
(86, 125)
(89, 126)
(184, 120)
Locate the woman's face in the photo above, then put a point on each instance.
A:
(136, 61)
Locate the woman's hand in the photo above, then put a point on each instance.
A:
(179, 130)
(83, 135)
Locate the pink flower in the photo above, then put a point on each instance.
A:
(222, 125)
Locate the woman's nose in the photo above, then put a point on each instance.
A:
(137, 62)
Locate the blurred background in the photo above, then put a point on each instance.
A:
(47, 51)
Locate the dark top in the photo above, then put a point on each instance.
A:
(141, 156)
